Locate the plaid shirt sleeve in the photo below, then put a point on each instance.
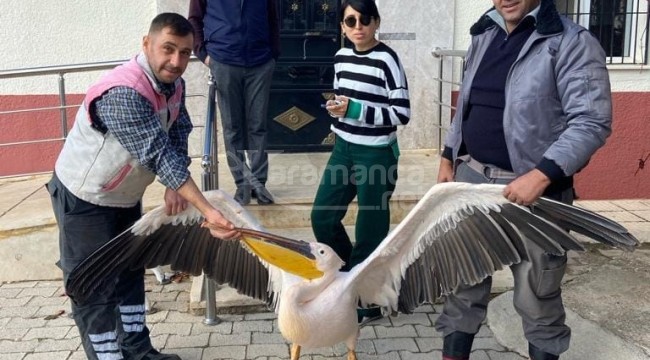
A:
(131, 118)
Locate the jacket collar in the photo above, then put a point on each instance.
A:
(548, 20)
(159, 87)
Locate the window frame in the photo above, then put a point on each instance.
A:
(635, 36)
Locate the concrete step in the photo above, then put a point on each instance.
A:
(30, 255)
(297, 215)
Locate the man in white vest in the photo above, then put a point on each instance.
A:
(131, 127)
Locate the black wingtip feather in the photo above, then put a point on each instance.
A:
(522, 219)
(99, 269)
(587, 223)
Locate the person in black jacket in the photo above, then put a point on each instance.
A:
(239, 41)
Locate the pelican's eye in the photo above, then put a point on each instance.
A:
(321, 251)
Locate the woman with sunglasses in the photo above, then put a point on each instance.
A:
(372, 99)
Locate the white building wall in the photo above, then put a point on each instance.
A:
(413, 28)
(467, 12)
(53, 32)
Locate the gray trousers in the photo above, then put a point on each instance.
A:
(537, 293)
(112, 321)
(243, 98)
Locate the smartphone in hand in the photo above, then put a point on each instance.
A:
(336, 103)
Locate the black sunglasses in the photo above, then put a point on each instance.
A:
(351, 21)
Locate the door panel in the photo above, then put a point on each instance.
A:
(309, 37)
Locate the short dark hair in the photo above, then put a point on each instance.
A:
(178, 25)
(364, 7)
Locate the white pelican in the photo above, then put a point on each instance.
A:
(457, 233)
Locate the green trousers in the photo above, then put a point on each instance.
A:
(370, 174)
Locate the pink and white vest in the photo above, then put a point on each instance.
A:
(94, 166)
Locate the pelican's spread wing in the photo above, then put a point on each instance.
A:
(462, 233)
(180, 241)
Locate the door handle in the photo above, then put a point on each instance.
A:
(304, 48)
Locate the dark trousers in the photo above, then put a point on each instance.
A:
(537, 294)
(112, 322)
(243, 98)
(370, 173)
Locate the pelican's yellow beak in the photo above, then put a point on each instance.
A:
(292, 256)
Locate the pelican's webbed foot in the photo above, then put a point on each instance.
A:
(352, 355)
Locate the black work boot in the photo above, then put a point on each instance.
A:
(154, 354)
(366, 316)
(537, 354)
(243, 194)
(263, 196)
(457, 346)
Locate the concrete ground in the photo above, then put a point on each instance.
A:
(606, 291)
(26, 334)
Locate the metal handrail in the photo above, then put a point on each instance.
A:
(27, 142)
(36, 109)
(445, 105)
(61, 71)
(451, 82)
(441, 54)
(210, 181)
(438, 52)
(64, 69)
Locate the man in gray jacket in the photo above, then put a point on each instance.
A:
(534, 106)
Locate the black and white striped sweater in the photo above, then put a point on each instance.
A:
(375, 79)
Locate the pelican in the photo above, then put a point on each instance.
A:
(457, 233)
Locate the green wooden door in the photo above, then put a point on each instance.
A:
(310, 35)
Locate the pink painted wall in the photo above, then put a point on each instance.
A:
(613, 172)
(30, 126)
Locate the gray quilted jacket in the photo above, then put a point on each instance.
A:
(558, 99)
